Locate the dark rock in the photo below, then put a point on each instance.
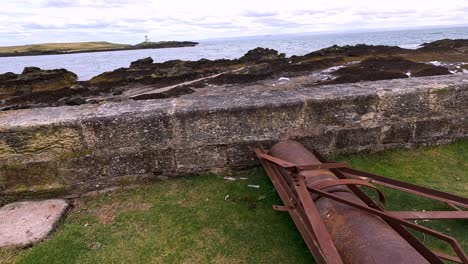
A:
(299, 65)
(174, 92)
(117, 92)
(445, 44)
(164, 44)
(36, 87)
(142, 63)
(432, 71)
(75, 101)
(250, 74)
(27, 70)
(357, 50)
(180, 69)
(385, 68)
(7, 76)
(261, 54)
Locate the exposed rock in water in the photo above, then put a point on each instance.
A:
(27, 70)
(262, 54)
(357, 50)
(34, 80)
(34, 87)
(384, 68)
(445, 45)
(142, 63)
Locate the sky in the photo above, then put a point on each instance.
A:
(128, 21)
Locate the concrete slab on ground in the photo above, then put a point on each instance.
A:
(26, 223)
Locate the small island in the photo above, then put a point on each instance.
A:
(83, 47)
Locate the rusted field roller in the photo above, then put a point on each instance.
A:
(342, 224)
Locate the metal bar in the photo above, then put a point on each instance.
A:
(281, 166)
(293, 167)
(454, 207)
(408, 187)
(447, 257)
(289, 200)
(456, 247)
(323, 237)
(280, 208)
(430, 215)
(410, 238)
(366, 244)
(280, 162)
(331, 183)
(322, 166)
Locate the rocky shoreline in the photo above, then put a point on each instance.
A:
(144, 79)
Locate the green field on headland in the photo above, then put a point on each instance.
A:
(208, 219)
(80, 47)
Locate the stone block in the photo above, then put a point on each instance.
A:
(432, 128)
(127, 131)
(357, 138)
(339, 111)
(243, 154)
(403, 105)
(321, 143)
(201, 158)
(40, 143)
(397, 133)
(141, 162)
(237, 124)
(27, 223)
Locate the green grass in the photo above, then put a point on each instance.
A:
(207, 219)
(75, 46)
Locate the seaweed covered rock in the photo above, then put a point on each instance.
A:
(357, 51)
(262, 54)
(249, 74)
(33, 80)
(35, 87)
(385, 68)
(142, 63)
(445, 45)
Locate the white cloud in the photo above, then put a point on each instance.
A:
(126, 21)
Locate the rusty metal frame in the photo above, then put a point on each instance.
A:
(298, 202)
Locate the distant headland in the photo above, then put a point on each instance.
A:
(83, 47)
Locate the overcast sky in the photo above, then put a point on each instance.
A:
(128, 21)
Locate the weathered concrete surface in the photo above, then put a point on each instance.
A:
(68, 150)
(26, 223)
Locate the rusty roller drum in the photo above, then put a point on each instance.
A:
(359, 237)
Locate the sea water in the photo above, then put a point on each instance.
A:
(87, 65)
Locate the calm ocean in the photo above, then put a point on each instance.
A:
(87, 65)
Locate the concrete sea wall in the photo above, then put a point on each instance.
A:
(71, 150)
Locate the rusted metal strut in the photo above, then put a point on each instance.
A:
(340, 223)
